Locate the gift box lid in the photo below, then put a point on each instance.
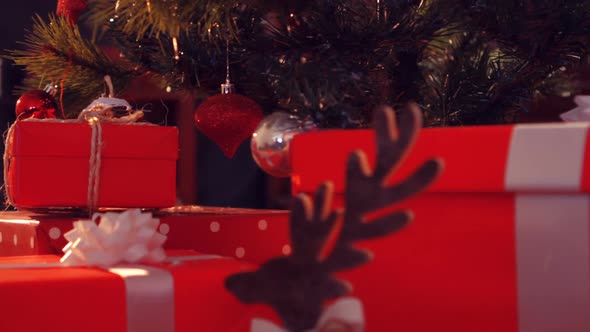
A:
(503, 158)
(61, 139)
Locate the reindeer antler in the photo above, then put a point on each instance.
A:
(367, 191)
(298, 285)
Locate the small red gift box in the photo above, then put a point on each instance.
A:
(185, 294)
(500, 242)
(49, 165)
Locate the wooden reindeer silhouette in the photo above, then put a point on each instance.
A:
(297, 286)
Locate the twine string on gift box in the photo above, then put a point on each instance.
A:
(6, 158)
(98, 112)
(95, 159)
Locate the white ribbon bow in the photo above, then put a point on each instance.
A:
(348, 311)
(102, 108)
(127, 237)
(579, 114)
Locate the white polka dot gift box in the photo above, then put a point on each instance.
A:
(500, 242)
(247, 234)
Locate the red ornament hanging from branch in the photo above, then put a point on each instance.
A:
(36, 104)
(71, 9)
(228, 118)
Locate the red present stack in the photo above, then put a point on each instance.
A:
(185, 292)
(500, 241)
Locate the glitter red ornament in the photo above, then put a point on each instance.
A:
(228, 119)
(36, 104)
(71, 9)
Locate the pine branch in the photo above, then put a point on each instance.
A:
(520, 51)
(57, 53)
(160, 17)
(330, 60)
(335, 60)
(543, 31)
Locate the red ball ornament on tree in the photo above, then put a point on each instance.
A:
(228, 119)
(71, 9)
(36, 104)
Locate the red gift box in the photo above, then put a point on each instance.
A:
(247, 234)
(20, 236)
(523, 158)
(500, 242)
(49, 165)
(186, 295)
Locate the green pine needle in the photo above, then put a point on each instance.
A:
(57, 54)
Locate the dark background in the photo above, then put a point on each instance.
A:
(15, 18)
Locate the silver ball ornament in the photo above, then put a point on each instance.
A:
(271, 141)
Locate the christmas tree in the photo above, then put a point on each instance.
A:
(332, 61)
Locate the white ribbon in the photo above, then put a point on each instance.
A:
(127, 237)
(546, 157)
(149, 295)
(102, 109)
(553, 262)
(579, 114)
(348, 311)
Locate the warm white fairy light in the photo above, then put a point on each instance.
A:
(175, 46)
(378, 10)
(381, 11)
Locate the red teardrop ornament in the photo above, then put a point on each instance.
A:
(228, 119)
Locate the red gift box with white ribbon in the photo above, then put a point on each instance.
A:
(185, 293)
(500, 242)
